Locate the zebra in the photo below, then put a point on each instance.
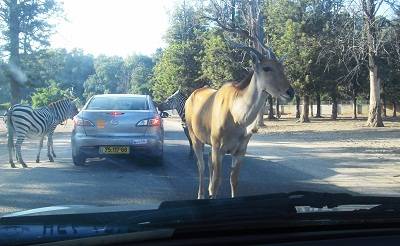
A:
(177, 101)
(25, 121)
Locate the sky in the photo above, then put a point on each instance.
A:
(113, 27)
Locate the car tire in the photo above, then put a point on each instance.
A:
(79, 159)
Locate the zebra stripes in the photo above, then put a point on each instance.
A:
(25, 121)
(177, 101)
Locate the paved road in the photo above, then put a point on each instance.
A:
(272, 165)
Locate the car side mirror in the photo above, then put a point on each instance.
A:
(164, 115)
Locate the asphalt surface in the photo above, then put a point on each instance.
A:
(270, 166)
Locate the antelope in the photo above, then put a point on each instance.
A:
(225, 118)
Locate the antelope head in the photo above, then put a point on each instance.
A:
(269, 72)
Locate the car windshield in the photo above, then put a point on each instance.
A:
(115, 103)
(123, 103)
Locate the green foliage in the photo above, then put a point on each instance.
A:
(5, 106)
(47, 95)
(218, 64)
(186, 23)
(180, 63)
(109, 77)
(140, 72)
(178, 67)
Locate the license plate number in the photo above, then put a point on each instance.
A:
(114, 150)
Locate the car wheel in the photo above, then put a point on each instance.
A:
(79, 159)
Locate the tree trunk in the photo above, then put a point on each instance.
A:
(334, 108)
(271, 108)
(394, 109)
(384, 106)
(304, 113)
(354, 107)
(278, 113)
(312, 108)
(260, 117)
(297, 107)
(318, 99)
(374, 115)
(14, 59)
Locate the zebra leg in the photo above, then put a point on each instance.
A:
(52, 145)
(49, 141)
(18, 144)
(40, 148)
(11, 152)
(190, 141)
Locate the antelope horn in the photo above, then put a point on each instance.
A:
(268, 51)
(246, 48)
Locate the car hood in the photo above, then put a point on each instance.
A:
(170, 218)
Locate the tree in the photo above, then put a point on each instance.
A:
(369, 9)
(108, 78)
(179, 67)
(180, 63)
(45, 96)
(219, 63)
(139, 69)
(27, 27)
(288, 33)
(77, 67)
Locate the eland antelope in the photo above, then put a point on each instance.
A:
(226, 118)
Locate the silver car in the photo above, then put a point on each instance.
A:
(117, 125)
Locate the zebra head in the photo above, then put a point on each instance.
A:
(64, 109)
(73, 109)
(173, 102)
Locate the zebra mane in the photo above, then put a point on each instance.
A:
(57, 103)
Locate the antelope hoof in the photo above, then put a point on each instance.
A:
(12, 164)
(51, 159)
(200, 197)
(24, 165)
(37, 160)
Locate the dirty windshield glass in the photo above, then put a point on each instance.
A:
(192, 99)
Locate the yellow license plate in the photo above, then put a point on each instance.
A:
(114, 150)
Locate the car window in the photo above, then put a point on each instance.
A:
(123, 103)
